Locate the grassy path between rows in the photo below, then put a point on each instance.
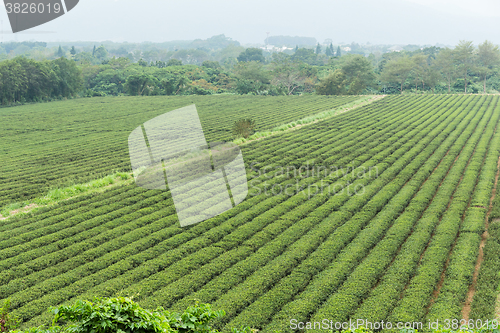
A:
(58, 195)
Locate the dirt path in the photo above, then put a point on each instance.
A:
(470, 294)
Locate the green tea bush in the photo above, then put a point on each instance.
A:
(122, 315)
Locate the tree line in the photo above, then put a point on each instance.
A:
(26, 80)
(465, 68)
(455, 68)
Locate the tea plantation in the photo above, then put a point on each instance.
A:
(378, 213)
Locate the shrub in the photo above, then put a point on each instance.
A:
(244, 128)
(122, 315)
(195, 319)
(112, 315)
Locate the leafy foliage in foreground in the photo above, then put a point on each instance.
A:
(122, 315)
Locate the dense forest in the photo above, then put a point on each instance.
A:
(221, 66)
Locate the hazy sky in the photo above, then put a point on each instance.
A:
(481, 8)
(361, 21)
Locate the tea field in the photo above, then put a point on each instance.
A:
(378, 213)
(61, 143)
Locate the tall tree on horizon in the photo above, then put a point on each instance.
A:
(333, 84)
(60, 52)
(397, 71)
(444, 63)
(359, 73)
(339, 53)
(489, 59)
(464, 57)
(328, 52)
(420, 69)
(318, 49)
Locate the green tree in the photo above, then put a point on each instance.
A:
(318, 49)
(251, 77)
(170, 84)
(211, 64)
(420, 69)
(39, 78)
(60, 52)
(191, 56)
(251, 54)
(101, 53)
(305, 55)
(445, 64)
(93, 51)
(432, 78)
(397, 71)
(13, 82)
(69, 77)
(464, 57)
(328, 52)
(159, 64)
(286, 73)
(142, 63)
(182, 83)
(84, 58)
(174, 62)
(296, 48)
(339, 53)
(73, 51)
(359, 73)
(139, 84)
(252, 70)
(228, 54)
(489, 59)
(333, 84)
(120, 52)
